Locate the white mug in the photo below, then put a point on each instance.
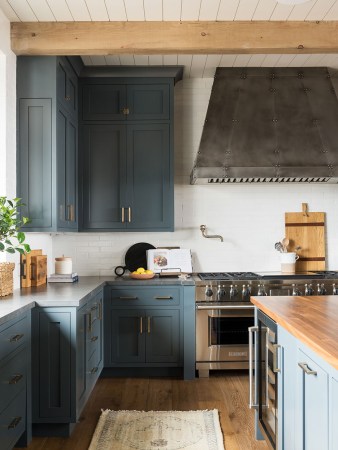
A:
(288, 262)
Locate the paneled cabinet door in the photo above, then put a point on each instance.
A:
(163, 336)
(67, 170)
(149, 180)
(104, 176)
(148, 102)
(35, 161)
(127, 336)
(312, 405)
(104, 102)
(66, 86)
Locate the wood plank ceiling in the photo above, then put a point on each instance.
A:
(182, 10)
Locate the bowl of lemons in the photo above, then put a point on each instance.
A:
(142, 274)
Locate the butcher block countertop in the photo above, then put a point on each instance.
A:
(313, 320)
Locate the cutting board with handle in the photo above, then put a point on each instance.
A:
(307, 230)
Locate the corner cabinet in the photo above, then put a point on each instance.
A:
(69, 342)
(308, 412)
(126, 141)
(47, 142)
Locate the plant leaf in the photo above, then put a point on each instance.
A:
(21, 237)
(20, 250)
(2, 247)
(27, 247)
(10, 250)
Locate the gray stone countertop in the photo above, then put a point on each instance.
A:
(71, 294)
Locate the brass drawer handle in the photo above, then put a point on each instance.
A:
(129, 214)
(94, 370)
(122, 214)
(141, 325)
(16, 338)
(94, 338)
(89, 327)
(164, 297)
(149, 325)
(15, 379)
(15, 422)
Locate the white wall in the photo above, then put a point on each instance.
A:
(250, 218)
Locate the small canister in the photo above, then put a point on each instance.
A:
(63, 265)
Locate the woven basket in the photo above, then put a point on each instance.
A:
(6, 278)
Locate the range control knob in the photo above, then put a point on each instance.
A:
(261, 290)
(233, 291)
(208, 291)
(220, 292)
(321, 289)
(334, 289)
(308, 289)
(246, 291)
(295, 290)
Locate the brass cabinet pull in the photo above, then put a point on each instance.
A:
(15, 379)
(307, 369)
(67, 98)
(125, 111)
(276, 369)
(128, 298)
(15, 422)
(164, 297)
(94, 338)
(149, 324)
(129, 214)
(122, 214)
(16, 338)
(89, 327)
(100, 311)
(141, 325)
(94, 370)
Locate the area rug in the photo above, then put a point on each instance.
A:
(158, 430)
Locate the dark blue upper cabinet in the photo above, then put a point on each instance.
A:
(126, 154)
(47, 144)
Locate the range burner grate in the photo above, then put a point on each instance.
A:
(228, 276)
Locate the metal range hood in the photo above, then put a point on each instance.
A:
(270, 125)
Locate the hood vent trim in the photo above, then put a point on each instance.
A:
(270, 125)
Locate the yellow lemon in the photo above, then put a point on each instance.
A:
(149, 271)
(140, 270)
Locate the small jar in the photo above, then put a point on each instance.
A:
(63, 265)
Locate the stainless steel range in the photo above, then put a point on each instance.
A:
(224, 312)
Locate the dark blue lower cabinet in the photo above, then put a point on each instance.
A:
(66, 342)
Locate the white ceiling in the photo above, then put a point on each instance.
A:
(181, 10)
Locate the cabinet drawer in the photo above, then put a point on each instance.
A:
(154, 296)
(12, 378)
(12, 336)
(13, 422)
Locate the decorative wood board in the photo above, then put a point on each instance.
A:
(307, 230)
(38, 270)
(25, 261)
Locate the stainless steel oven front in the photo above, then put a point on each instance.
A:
(222, 340)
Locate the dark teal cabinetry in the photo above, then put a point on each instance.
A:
(69, 343)
(150, 327)
(126, 178)
(126, 146)
(15, 383)
(47, 142)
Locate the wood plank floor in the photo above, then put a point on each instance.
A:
(225, 391)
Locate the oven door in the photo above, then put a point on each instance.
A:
(222, 332)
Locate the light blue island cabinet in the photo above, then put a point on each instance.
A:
(305, 357)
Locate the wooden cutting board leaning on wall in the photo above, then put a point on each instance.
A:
(33, 269)
(307, 230)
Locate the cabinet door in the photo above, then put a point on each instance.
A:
(66, 170)
(66, 86)
(104, 176)
(312, 406)
(35, 162)
(127, 336)
(149, 178)
(55, 368)
(104, 102)
(81, 358)
(163, 336)
(148, 102)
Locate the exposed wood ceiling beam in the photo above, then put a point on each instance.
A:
(106, 38)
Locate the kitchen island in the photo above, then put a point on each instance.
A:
(305, 370)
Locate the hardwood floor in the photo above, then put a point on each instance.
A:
(227, 392)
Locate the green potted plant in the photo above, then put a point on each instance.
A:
(11, 240)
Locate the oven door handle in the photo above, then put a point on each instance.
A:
(252, 404)
(212, 307)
